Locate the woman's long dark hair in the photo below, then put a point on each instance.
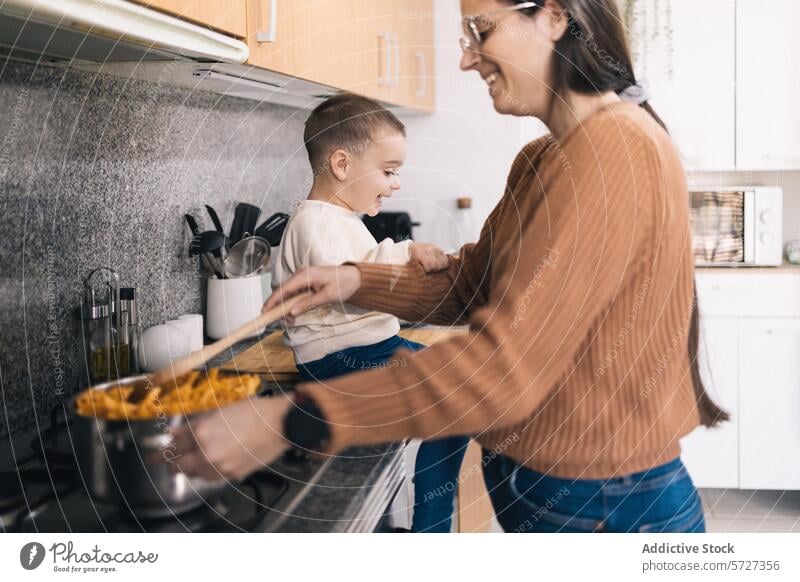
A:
(593, 57)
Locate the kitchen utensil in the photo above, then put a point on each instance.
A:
(131, 463)
(192, 224)
(212, 241)
(230, 303)
(215, 218)
(208, 241)
(208, 266)
(213, 245)
(272, 229)
(245, 219)
(197, 359)
(216, 265)
(247, 257)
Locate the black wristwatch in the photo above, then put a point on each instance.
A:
(305, 426)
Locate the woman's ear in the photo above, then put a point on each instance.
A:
(558, 19)
(340, 164)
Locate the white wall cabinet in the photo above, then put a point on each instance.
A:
(769, 400)
(712, 455)
(768, 85)
(729, 91)
(697, 100)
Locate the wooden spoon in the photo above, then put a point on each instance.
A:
(188, 363)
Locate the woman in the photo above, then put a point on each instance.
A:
(579, 374)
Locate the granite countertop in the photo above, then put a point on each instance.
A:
(348, 492)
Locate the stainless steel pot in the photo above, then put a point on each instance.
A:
(133, 463)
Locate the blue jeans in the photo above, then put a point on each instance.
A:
(661, 499)
(438, 461)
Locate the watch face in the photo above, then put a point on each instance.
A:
(306, 427)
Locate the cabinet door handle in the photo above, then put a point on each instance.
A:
(387, 75)
(269, 34)
(422, 74)
(396, 78)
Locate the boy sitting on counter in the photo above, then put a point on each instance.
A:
(356, 148)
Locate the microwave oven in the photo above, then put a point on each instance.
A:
(737, 227)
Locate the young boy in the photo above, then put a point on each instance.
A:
(356, 148)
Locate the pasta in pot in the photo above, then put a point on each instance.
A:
(192, 393)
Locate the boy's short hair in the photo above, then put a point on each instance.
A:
(346, 121)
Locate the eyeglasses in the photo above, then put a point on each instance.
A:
(477, 28)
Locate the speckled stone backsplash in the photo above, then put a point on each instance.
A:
(98, 171)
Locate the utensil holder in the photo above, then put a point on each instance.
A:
(233, 303)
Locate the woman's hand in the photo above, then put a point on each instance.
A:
(233, 442)
(327, 284)
(431, 257)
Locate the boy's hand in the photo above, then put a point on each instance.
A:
(431, 257)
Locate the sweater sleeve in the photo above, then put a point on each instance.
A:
(556, 278)
(443, 298)
(390, 252)
(451, 296)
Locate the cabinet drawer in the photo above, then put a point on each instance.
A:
(758, 293)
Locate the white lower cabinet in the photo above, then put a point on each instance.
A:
(769, 400)
(712, 454)
(750, 362)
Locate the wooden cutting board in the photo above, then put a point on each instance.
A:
(275, 360)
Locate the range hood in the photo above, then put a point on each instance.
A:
(127, 40)
(104, 31)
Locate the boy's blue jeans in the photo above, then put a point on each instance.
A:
(438, 461)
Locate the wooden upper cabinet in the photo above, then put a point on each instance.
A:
(226, 16)
(417, 68)
(380, 42)
(402, 40)
(374, 48)
(316, 40)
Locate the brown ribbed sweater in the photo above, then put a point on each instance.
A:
(578, 296)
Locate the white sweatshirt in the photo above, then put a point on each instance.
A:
(321, 234)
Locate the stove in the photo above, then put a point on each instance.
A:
(45, 492)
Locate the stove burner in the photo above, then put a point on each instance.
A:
(10, 490)
(196, 520)
(45, 493)
(26, 492)
(238, 508)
